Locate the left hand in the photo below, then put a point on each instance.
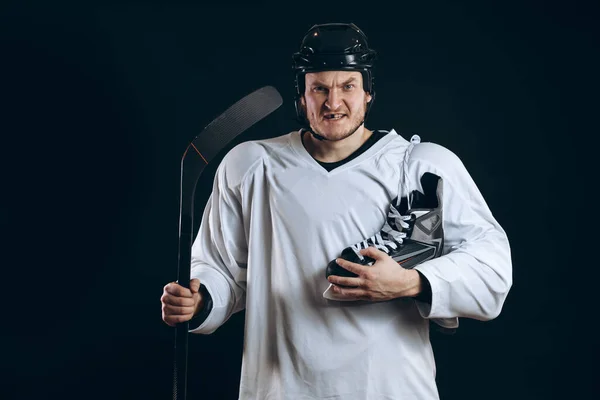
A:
(384, 280)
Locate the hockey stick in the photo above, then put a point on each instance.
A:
(213, 138)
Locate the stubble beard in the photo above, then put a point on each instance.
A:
(357, 122)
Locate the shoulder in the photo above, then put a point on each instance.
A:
(425, 154)
(435, 156)
(245, 157)
(439, 160)
(431, 157)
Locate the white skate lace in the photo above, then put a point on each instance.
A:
(394, 238)
(391, 242)
(414, 140)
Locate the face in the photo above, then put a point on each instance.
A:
(335, 103)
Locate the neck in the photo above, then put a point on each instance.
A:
(333, 151)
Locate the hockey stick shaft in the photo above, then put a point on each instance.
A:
(214, 137)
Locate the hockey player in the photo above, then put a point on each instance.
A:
(342, 244)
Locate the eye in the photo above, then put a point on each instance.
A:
(349, 86)
(319, 89)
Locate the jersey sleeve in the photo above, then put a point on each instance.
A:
(220, 250)
(473, 276)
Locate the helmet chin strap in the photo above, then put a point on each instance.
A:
(322, 138)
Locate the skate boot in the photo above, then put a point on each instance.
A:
(409, 236)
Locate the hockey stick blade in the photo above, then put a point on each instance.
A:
(239, 117)
(199, 153)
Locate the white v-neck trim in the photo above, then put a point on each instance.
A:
(300, 150)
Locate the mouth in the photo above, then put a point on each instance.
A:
(334, 117)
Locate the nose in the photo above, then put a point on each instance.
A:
(334, 100)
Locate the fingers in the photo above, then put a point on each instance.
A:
(351, 293)
(352, 267)
(178, 303)
(176, 289)
(195, 285)
(178, 311)
(344, 281)
(373, 252)
(173, 320)
(174, 314)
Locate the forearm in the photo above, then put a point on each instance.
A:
(413, 284)
(218, 258)
(472, 282)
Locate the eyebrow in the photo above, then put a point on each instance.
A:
(319, 83)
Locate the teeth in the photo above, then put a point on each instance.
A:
(334, 116)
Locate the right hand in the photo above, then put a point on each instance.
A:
(180, 304)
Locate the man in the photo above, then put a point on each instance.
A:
(282, 209)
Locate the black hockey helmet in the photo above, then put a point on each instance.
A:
(333, 47)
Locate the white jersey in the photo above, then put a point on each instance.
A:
(273, 222)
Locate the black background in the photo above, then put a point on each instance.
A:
(99, 101)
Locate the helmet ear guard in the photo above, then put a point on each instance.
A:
(333, 47)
